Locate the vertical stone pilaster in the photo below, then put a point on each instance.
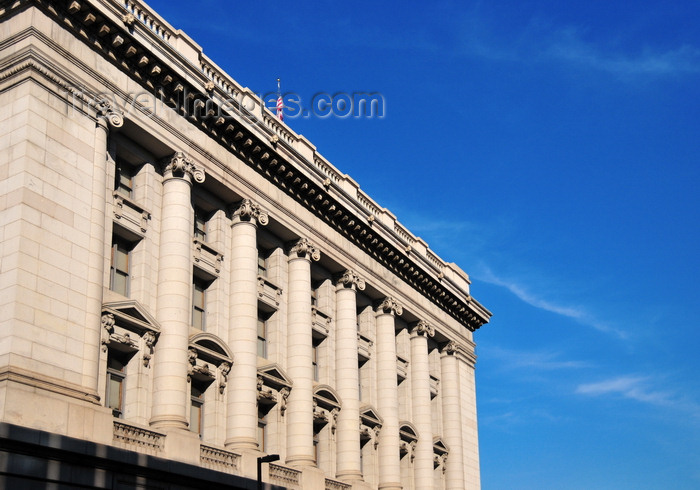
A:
(420, 395)
(242, 412)
(388, 399)
(452, 416)
(170, 393)
(348, 465)
(107, 117)
(299, 413)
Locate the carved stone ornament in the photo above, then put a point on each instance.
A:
(451, 348)
(191, 362)
(209, 86)
(248, 210)
(391, 306)
(128, 18)
(350, 279)
(304, 248)
(107, 329)
(105, 110)
(224, 369)
(264, 393)
(423, 328)
(149, 340)
(180, 163)
(282, 399)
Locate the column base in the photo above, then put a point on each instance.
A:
(169, 422)
(301, 461)
(350, 476)
(390, 486)
(242, 444)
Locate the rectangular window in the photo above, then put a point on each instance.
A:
(262, 336)
(199, 294)
(116, 376)
(196, 408)
(262, 263)
(200, 225)
(262, 432)
(314, 359)
(119, 268)
(314, 297)
(124, 179)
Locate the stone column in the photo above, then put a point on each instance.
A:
(420, 394)
(388, 396)
(452, 415)
(170, 393)
(242, 410)
(107, 117)
(347, 374)
(300, 406)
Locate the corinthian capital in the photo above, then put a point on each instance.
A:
(390, 306)
(180, 164)
(248, 210)
(423, 328)
(351, 279)
(304, 249)
(106, 110)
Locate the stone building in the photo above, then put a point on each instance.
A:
(187, 284)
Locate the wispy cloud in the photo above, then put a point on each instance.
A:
(541, 361)
(640, 388)
(577, 313)
(540, 40)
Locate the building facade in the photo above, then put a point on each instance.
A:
(185, 279)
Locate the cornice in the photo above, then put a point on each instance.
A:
(171, 67)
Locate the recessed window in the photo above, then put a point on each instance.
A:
(262, 263)
(262, 335)
(200, 224)
(196, 407)
(199, 302)
(116, 377)
(119, 267)
(262, 431)
(314, 359)
(124, 179)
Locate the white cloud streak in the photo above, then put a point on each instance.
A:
(540, 361)
(641, 389)
(575, 313)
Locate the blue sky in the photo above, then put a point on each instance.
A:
(551, 150)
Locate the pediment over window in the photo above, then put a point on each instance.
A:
(326, 397)
(408, 432)
(131, 315)
(274, 377)
(211, 348)
(370, 417)
(439, 447)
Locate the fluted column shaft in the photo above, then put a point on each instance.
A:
(420, 395)
(242, 412)
(452, 416)
(388, 399)
(107, 117)
(299, 413)
(170, 394)
(348, 466)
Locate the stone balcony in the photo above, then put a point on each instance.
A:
(130, 215)
(207, 258)
(269, 292)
